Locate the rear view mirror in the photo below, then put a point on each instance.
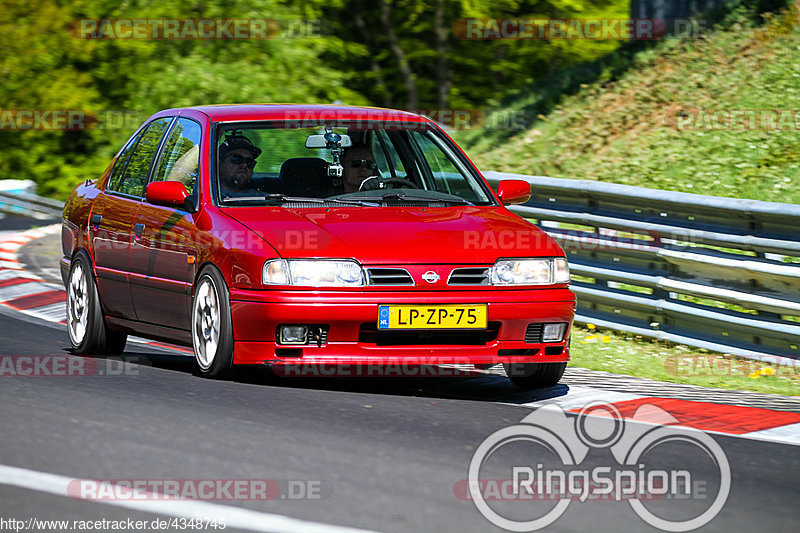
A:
(514, 191)
(319, 141)
(167, 193)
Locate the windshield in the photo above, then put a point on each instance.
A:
(266, 163)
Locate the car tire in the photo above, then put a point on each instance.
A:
(86, 325)
(212, 330)
(534, 375)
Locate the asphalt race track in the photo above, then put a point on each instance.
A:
(380, 454)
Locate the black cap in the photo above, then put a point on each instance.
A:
(238, 142)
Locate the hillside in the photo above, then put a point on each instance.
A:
(666, 121)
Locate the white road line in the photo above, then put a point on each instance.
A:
(234, 517)
(789, 434)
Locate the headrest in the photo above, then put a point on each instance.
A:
(305, 176)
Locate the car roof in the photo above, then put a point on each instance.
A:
(304, 113)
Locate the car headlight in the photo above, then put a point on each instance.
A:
(546, 271)
(313, 273)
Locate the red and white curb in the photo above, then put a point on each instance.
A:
(27, 293)
(722, 419)
(23, 291)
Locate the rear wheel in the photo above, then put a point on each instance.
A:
(88, 332)
(212, 332)
(534, 375)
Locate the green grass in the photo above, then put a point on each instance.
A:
(622, 128)
(634, 355)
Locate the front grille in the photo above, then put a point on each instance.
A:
(369, 334)
(533, 334)
(469, 276)
(389, 276)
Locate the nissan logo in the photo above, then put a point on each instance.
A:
(430, 276)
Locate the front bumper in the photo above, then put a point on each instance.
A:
(351, 316)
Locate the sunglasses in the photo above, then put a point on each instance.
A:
(358, 163)
(238, 160)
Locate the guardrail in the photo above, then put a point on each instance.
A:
(29, 205)
(706, 271)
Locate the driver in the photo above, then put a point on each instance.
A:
(237, 158)
(359, 164)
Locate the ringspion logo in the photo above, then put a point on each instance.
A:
(518, 472)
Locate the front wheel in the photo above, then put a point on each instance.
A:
(212, 332)
(534, 375)
(88, 332)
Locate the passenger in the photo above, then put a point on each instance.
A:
(237, 158)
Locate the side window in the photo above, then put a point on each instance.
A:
(389, 163)
(122, 162)
(136, 173)
(180, 159)
(446, 176)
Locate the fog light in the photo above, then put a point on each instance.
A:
(294, 334)
(553, 332)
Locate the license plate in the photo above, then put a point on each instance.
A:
(432, 317)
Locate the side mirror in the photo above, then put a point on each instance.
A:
(167, 193)
(514, 191)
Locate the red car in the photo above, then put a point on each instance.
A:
(329, 236)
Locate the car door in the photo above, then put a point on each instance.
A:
(161, 272)
(112, 219)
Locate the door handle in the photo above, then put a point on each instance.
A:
(138, 229)
(96, 220)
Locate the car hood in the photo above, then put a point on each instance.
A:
(393, 235)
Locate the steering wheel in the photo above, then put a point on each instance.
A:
(376, 182)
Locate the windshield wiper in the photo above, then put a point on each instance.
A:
(402, 197)
(280, 199)
(283, 199)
